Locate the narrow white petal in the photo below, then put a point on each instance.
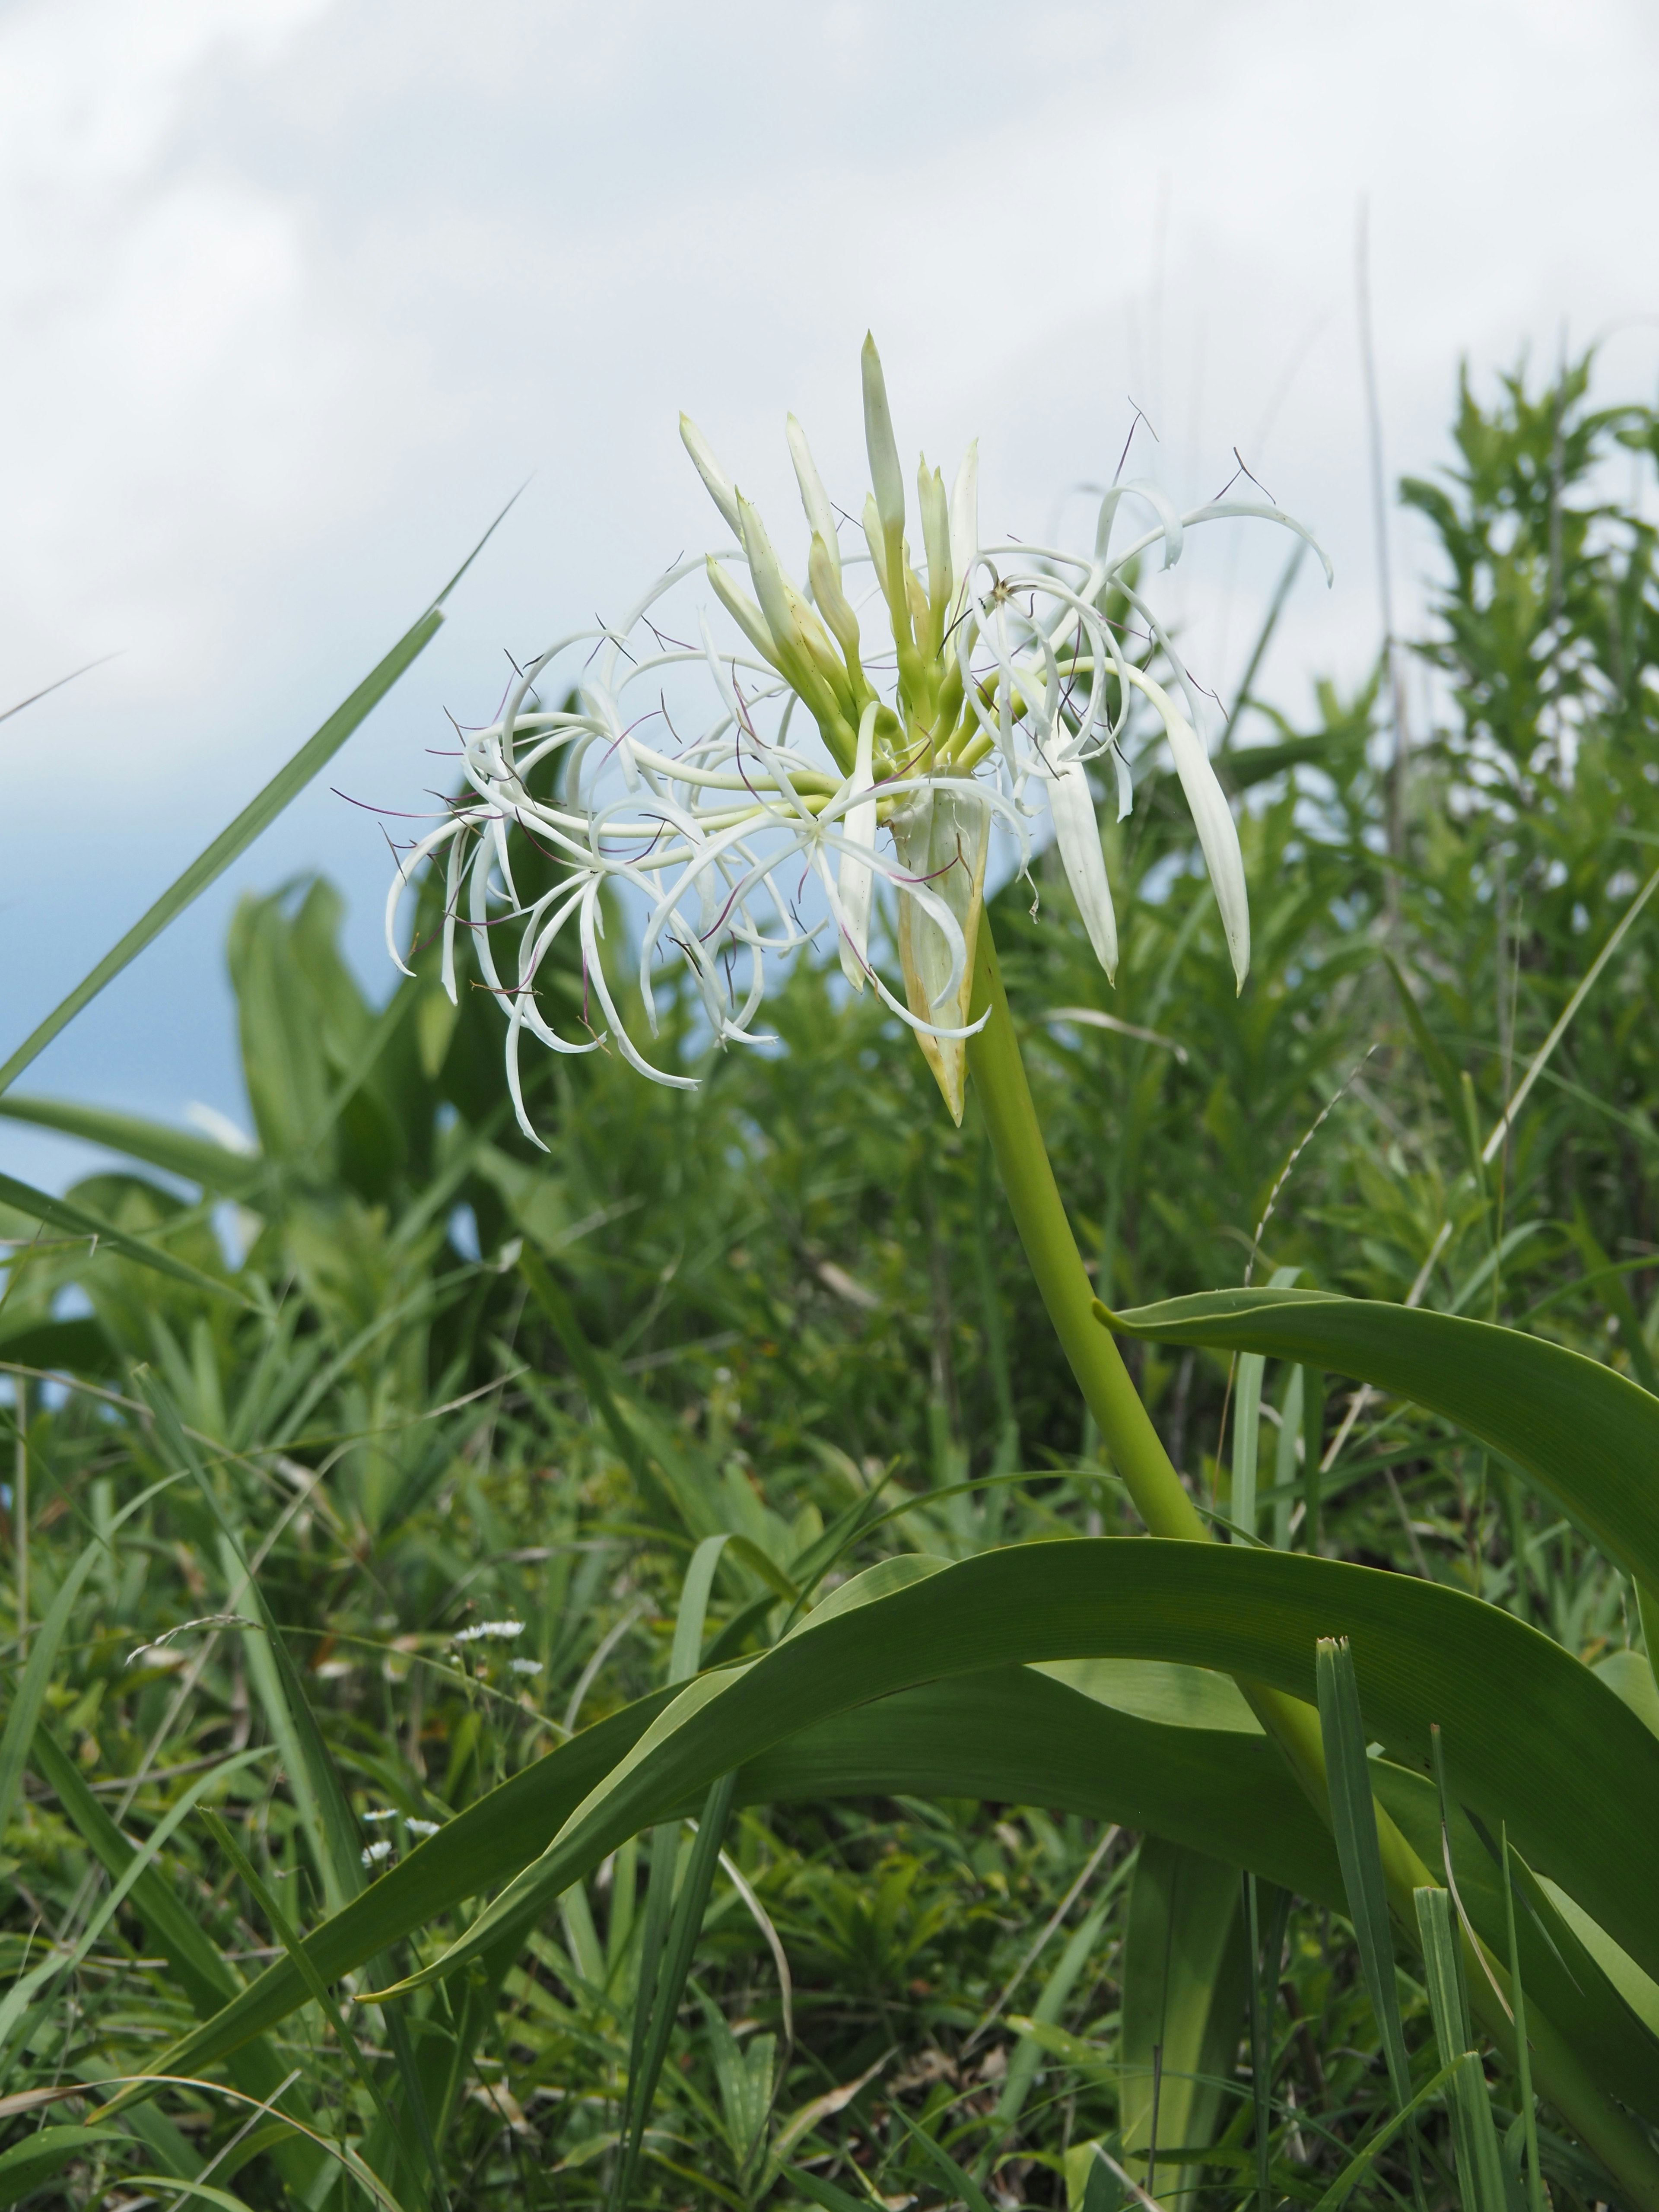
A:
(1126, 786)
(1162, 506)
(1212, 818)
(715, 478)
(1078, 835)
(853, 881)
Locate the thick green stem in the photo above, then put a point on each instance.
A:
(1149, 1475)
(1005, 1097)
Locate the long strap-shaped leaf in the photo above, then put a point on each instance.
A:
(1012, 1734)
(235, 839)
(231, 843)
(1541, 1742)
(1586, 1435)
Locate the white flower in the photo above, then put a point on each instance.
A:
(489, 1631)
(681, 767)
(373, 1853)
(421, 1828)
(525, 1665)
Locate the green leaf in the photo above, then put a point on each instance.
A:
(1535, 1734)
(206, 1980)
(175, 1151)
(1016, 1736)
(1361, 2163)
(75, 1221)
(30, 1696)
(1051, 2002)
(1353, 1823)
(196, 1966)
(1588, 1435)
(823, 2193)
(233, 841)
(1183, 1976)
(30, 1699)
(46, 2152)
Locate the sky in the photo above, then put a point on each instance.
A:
(295, 294)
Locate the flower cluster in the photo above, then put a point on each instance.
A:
(996, 677)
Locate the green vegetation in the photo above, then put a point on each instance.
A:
(347, 1574)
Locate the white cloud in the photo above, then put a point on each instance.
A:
(295, 292)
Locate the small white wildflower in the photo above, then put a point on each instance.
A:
(373, 1853)
(1004, 678)
(487, 1630)
(382, 1812)
(422, 1827)
(525, 1665)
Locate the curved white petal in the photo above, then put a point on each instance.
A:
(1077, 832)
(854, 881)
(1212, 818)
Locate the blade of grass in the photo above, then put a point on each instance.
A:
(208, 1980)
(1523, 2051)
(258, 815)
(28, 2165)
(1246, 1438)
(1361, 2163)
(1353, 1825)
(1478, 2163)
(680, 1941)
(27, 1705)
(652, 1989)
(287, 1936)
(77, 1221)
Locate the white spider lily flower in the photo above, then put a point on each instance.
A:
(695, 795)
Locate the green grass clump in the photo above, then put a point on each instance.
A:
(423, 1454)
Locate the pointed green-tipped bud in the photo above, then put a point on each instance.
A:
(743, 610)
(820, 515)
(771, 585)
(935, 537)
(802, 640)
(886, 474)
(964, 521)
(876, 541)
(825, 579)
(717, 483)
